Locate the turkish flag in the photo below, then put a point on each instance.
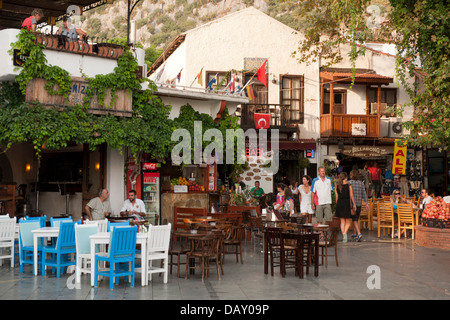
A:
(262, 77)
(262, 120)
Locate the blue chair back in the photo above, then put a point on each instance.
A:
(25, 234)
(82, 233)
(123, 242)
(66, 237)
(55, 222)
(42, 220)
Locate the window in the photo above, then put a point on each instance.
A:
(388, 96)
(339, 102)
(292, 94)
(221, 81)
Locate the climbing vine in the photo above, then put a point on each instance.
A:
(147, 130)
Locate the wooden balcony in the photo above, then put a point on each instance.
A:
(340, 126)
(280, 116)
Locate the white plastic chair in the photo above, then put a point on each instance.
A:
(102, 224)
(158, 241)
(4, 216)
(7, 235)
(83, 247)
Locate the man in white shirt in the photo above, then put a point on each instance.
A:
(426, 197)
(322, 187)
(133, 207)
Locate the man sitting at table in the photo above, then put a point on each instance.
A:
(133, 207)
(426, 197)
(257, 191)
(100, 207)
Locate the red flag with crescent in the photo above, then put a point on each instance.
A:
(262, 120)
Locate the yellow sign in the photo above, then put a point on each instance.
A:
(399, 161)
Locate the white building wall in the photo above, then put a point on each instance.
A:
(115, 183)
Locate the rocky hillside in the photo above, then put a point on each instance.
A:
(160, 21)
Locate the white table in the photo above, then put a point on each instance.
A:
(103, 238)
(46, 232)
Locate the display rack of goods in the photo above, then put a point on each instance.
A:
(436, 214)
(192, 185)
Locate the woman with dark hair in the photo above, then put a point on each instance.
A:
(304, 197)
(289, 201)
(344, 202)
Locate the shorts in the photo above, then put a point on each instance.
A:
(306, 209)
(357, 215)
(324, 211)
(376, 185)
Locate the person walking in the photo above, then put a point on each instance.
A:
(304, 198)
(375, 177)
(289, 206)
(344, 202)
(359, 193)
(322, 186)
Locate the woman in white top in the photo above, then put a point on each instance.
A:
(304, 197)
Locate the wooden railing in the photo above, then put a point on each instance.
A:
(340, 125)
(94, 47)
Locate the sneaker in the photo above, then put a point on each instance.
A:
(354, 236)
(359, 237)
(344, 238)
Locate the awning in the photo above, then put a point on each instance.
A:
(301, 144)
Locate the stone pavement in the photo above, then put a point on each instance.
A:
(373, 269)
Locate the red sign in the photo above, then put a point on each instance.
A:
(149, 166)
(262, 120)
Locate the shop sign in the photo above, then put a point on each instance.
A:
(365, 152)
(180, 189)
(358, 129)
(19, 58)
(399, 161)
(149, 166)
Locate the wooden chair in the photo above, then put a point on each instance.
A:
(373, 213)
(257, 230)
(385, 218)
(233, 240)
(180, 213)
(419, 201)
(365, 216)
(278, 250)
(330, 242)
(386, 198)
(206, 248)
(178, 248)
(405, 218)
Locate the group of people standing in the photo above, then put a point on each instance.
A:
(314, 196)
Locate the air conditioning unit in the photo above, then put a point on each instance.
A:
(374, 107)
(395, 127)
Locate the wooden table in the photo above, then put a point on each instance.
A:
(300, 237)
(193, 237)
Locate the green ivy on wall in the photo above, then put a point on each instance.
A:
(148, 130)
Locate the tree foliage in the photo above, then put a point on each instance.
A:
(418, 28)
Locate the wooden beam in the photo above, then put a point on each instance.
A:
(379, 98)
